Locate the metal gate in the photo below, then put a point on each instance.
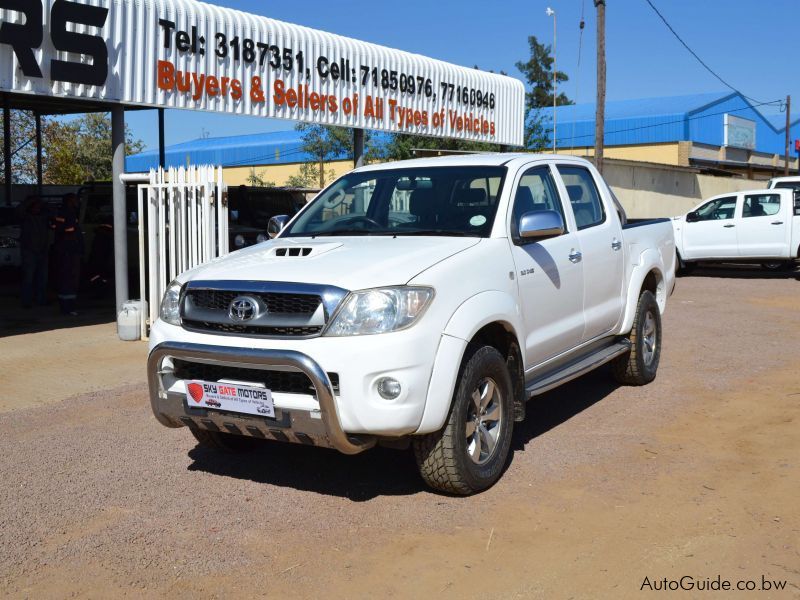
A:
(183, 222)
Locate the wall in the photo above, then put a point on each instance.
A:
(648, 191)
(278, 174)
(667, 154)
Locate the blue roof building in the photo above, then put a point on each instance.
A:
(716, 131)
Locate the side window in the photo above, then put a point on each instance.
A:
(761, 205)
(536, 192)
(716, 210)
(583, 195)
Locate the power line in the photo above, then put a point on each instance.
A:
(702, 62)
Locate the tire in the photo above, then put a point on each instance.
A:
(469, 454)
(639, 366)
(683, 267)
(224, 442)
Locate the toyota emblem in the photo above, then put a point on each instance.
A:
(243, 308)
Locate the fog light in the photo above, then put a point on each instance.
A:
(389, 388)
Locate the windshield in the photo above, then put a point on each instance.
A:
(454, 201)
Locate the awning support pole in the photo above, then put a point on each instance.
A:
(358, 148)
(120, 210)
(162, 153)
(7, 148)
(39, 175)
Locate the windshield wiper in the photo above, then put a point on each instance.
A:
(434, 232)
(342, 232)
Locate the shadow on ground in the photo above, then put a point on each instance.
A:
(382, 471)
(742, 272)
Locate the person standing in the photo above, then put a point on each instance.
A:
(34, 243)
(69, 250)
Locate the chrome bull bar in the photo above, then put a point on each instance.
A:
(249, 357)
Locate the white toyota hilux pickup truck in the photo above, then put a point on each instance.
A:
(755, 226)
(415, 303)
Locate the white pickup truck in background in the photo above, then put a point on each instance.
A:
(757, 226)
(416, 303)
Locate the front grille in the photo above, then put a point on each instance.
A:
(289, 382)
(277, 303)
(251, 330)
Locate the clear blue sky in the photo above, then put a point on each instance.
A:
(754, 46)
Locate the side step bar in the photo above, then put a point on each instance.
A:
(578, 368)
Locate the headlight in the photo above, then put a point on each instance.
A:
(262, 237)
(8, 242)
(171, 304)
(380, 311)
(238, 241)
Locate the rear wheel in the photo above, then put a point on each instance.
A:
(639, 366)
(468, 455)
(225, 442)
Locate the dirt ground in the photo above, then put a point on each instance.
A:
(609, 489)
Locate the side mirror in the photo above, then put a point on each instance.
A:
(276, 225)
(691, 217)
(540, 225)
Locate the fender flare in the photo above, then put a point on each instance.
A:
(469, 318)
(649, 262)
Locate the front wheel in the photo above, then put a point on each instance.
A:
(639, 366)
(468, 455)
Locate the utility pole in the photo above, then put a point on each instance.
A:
(788, 133)
(551, 13)
(600, 114)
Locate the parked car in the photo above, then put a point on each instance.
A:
(756, 226)
(9, 237)
(509, 275)
(785, 183)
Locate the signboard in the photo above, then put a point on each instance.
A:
(739, 132)
(190, 55)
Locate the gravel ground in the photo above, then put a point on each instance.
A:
(694, 474)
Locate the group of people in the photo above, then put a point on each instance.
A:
(36, 225)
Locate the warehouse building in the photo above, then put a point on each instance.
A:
(721, 133)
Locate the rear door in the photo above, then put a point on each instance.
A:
(600, 238)
(550, 281)
(763, 231)
(713, 233)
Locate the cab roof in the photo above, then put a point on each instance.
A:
(488, 159)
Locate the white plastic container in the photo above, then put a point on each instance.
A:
(129, 320)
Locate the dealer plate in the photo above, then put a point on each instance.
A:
(231, 397)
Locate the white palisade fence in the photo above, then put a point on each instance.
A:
(183, 223)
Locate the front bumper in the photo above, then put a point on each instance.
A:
(172, 410)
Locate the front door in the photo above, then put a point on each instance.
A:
(550, 282)
(762, 230)
(712, 232)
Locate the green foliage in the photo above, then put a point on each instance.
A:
(257, 179)
(73, 151)
(308, 177)
(538, 72)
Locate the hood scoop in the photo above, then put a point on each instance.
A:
(302, 250)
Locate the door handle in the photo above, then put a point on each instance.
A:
(777, 223)
(729, 226)
(616, 244)
(575, 256)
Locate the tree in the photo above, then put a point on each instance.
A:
(308, 176)
(257, 179)
(80, 150)
(324, 143)
(538, 72)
